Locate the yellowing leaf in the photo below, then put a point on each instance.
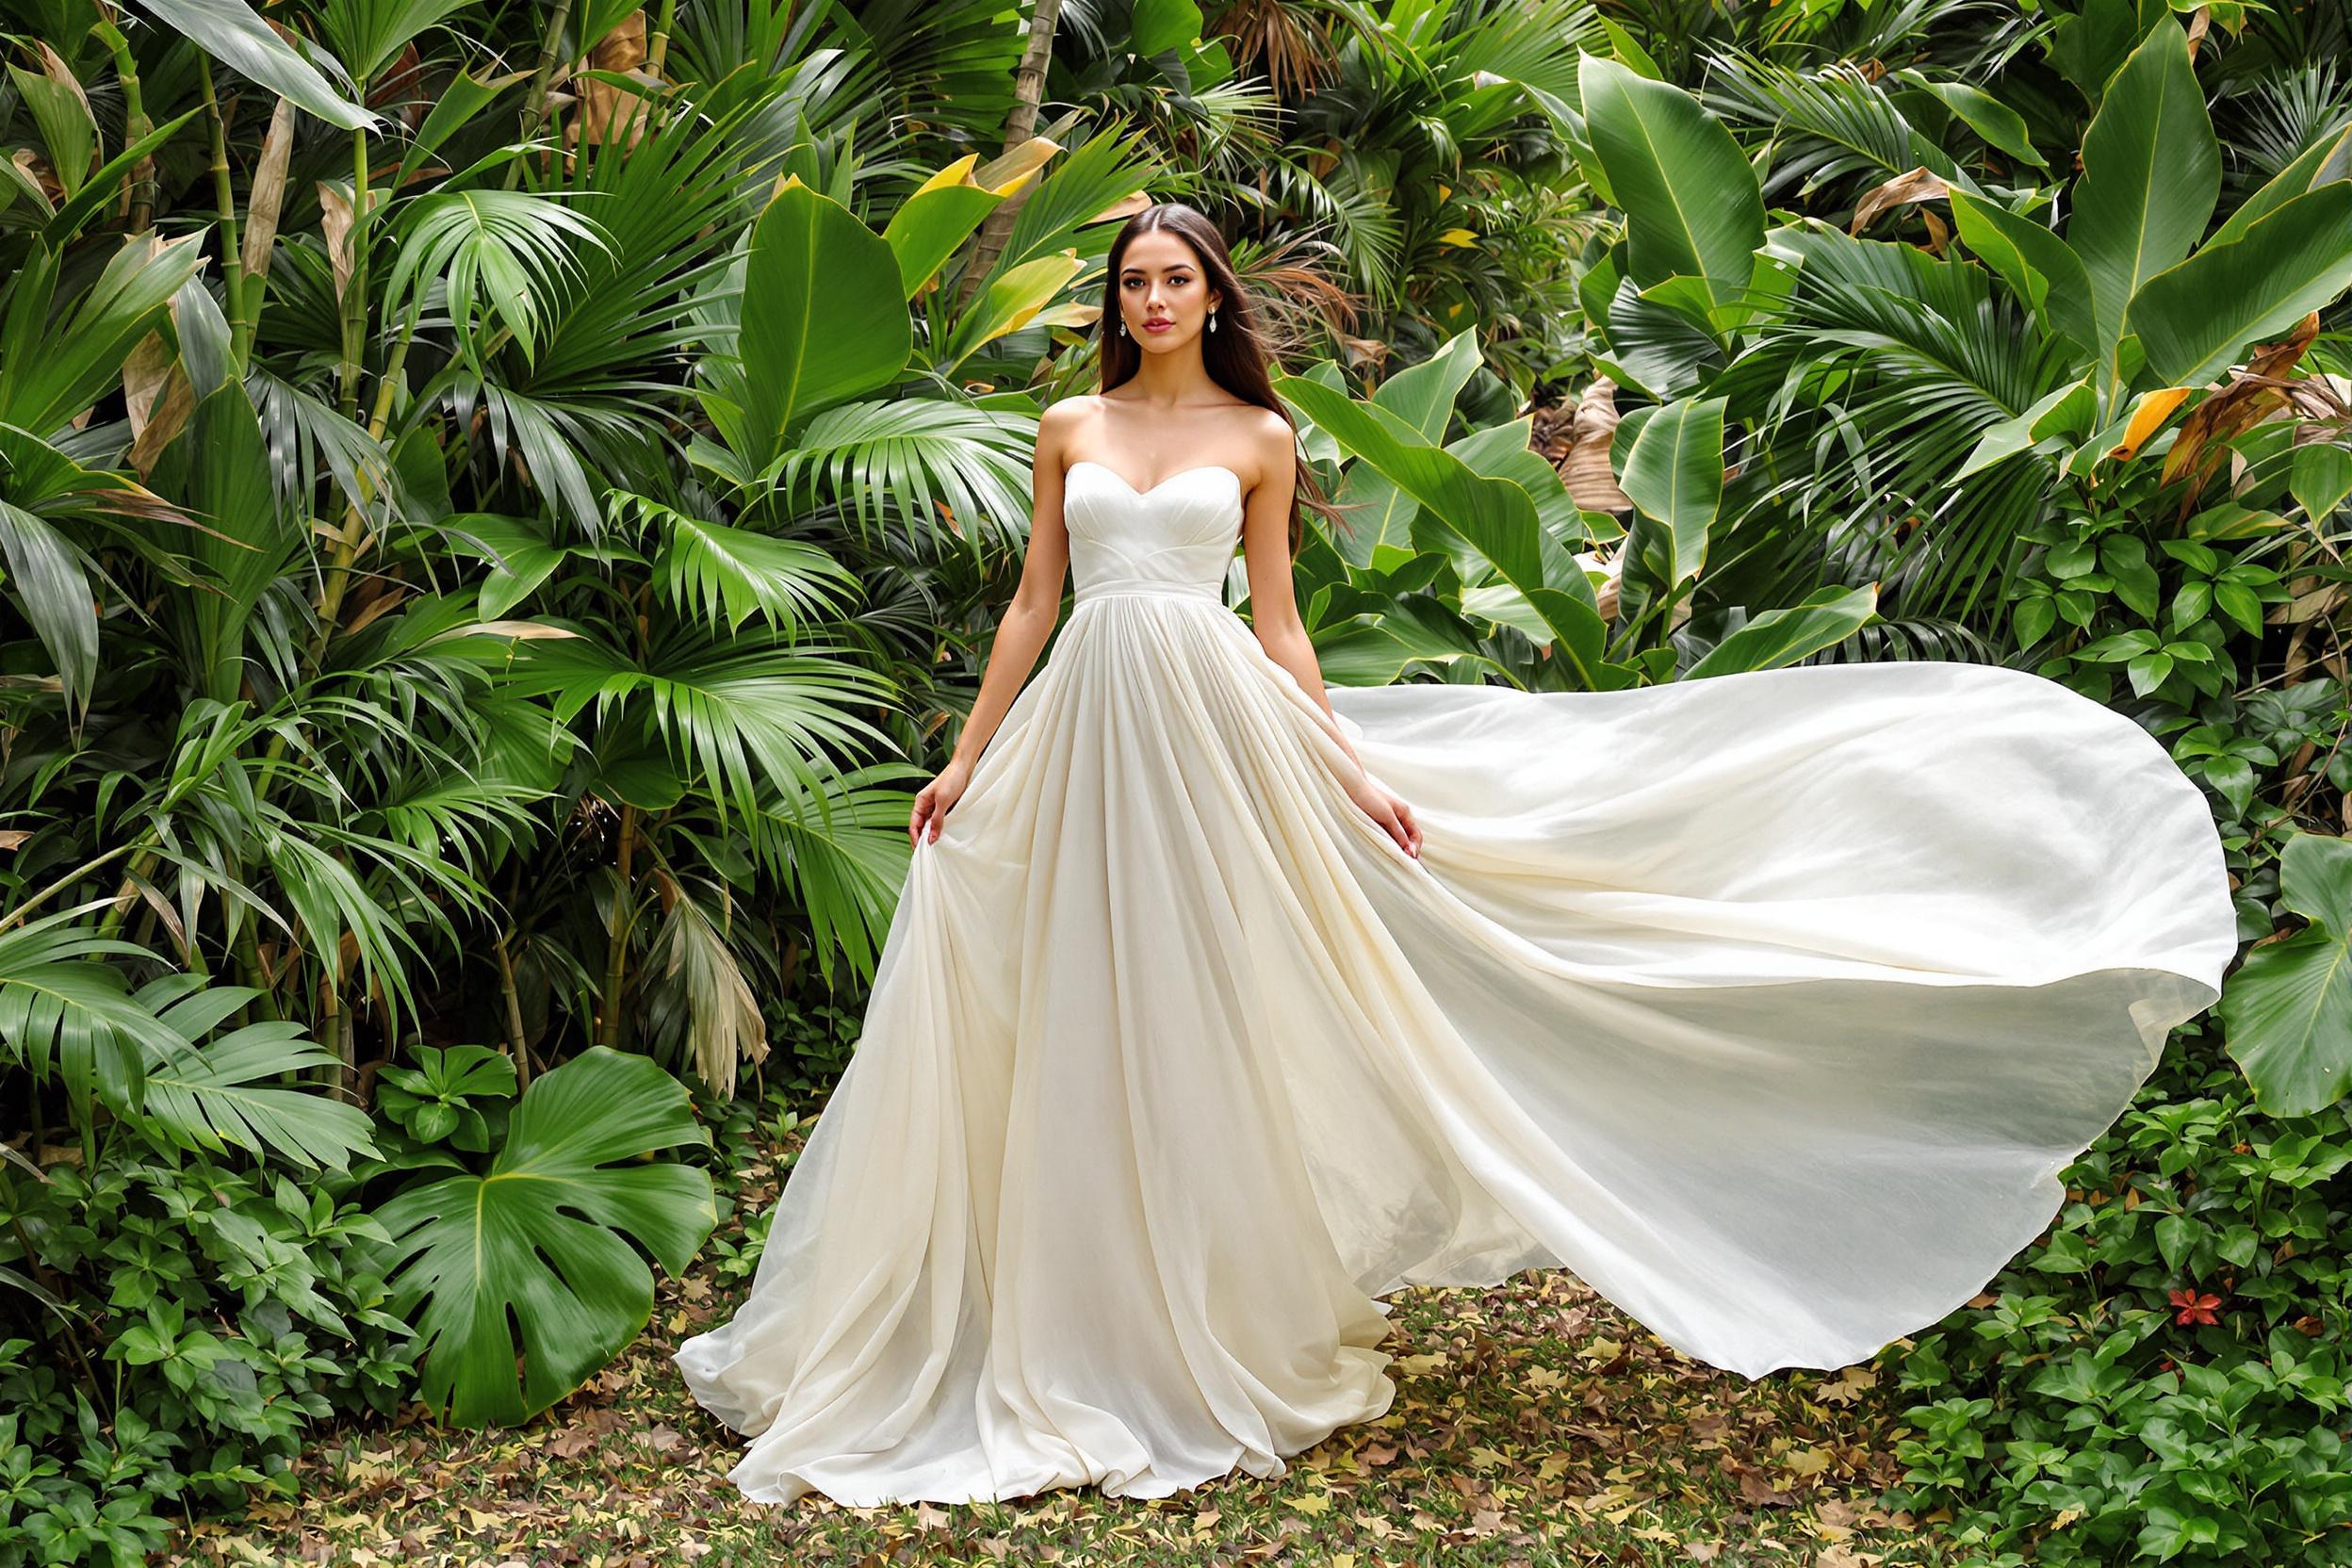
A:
(1808, 1462)
(2147, 417)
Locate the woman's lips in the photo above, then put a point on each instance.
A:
(1157, 326)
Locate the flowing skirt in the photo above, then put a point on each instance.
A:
(1771, 1005)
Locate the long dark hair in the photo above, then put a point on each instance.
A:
(1234, 355)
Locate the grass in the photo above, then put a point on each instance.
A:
(1534, 1425)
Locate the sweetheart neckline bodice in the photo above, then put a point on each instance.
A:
(1151, 489)
(1173, 540)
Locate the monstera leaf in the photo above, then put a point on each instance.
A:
(544, 1240)
(2289, 1007)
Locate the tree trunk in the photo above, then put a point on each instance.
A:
(1020, 126)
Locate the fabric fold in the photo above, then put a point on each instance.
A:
(1771, 1005)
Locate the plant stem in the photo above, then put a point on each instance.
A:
(658, 50)
(535, 101)
(135, 124)
(112, 921)
(355, 295)
(330, 1030)
(353, 534)
(257, 974)
(514, 1015)
(624, 916)
(224, 201)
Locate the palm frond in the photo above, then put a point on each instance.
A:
(229, 1093)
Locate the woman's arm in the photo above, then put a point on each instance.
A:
(1274, 617)
(1028, 621)
(1022, 631)
(1273, 599)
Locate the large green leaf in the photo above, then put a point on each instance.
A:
(1375, 650)
(547, 1241)
(2039, 267)
(937, 218)
(370, 34)
(1673, 473)
(2001, 126)
(1423, 395)
(2288, 1008)
(1781, 637)
(1494, 518)
(2068, 410)
(2151, 172)
(45, 577)
(1010, 302)
(824, 320)
(499, 259)
(1484, 522)
(69, 134)
(219, 470)
(2328, 159)
(2194, 319)
(57, 359)
(64, 1012)
(230, 32)
(63, 226)
(735, 713)
(735, 573)
(1378, 513)
(1691, 199)
(842, 865)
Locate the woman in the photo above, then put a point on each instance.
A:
(1768, 1004)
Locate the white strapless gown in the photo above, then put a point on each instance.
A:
(1768, 1003)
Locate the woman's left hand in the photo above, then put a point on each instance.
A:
(1385, 806)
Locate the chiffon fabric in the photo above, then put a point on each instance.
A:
(1770, 1004)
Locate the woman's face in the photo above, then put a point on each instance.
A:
(1163, 296)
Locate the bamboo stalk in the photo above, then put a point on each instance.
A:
(354, 301)
(225, 203)
(658, 48)
(257, 973)
(624, 916)
(135, 124)
(535, 101)
(514, 1010)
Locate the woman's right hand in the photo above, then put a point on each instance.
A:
(933, 799)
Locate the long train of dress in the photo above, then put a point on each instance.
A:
(1770, 1004)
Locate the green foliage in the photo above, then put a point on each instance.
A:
(454, 1096)
(544, 1241)
(187, 1321)
(2037, 429)
(2168, 1364)
(471, 569)
(2290, 1008)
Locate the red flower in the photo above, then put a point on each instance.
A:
(2194, 1308)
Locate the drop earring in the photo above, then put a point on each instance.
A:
(1211, 321)
(1122, 326)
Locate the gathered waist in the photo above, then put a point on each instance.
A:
(1206, 593)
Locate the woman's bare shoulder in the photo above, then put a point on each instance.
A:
(1063, 423)
(1064, 412)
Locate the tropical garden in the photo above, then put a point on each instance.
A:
(500, 507)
